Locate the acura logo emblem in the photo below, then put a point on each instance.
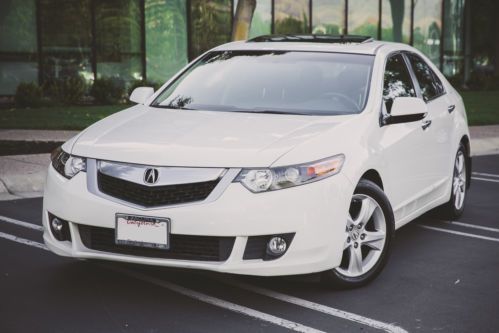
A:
(151, 176)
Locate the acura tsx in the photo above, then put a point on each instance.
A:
(280, 155)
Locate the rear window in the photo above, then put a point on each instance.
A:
(309, 83)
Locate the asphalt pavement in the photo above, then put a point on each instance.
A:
(442, 277)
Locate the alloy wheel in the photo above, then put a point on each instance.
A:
(459, 181)
(365, 236)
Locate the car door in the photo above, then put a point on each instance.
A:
(404, 144)
(438, 123)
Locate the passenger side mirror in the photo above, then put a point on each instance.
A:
(140, 94)
(406, 110)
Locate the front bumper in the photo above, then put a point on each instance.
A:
(316, 213)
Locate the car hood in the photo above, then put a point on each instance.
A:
(154, 136)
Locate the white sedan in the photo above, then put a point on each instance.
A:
(274, 156)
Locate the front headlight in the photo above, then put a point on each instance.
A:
(67, 165)
(270, 179)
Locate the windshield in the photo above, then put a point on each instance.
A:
(309, 83)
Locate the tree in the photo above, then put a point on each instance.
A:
(398, 7)
(242, 19)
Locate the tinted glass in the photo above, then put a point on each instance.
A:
(291, 16)
(363, 16)
(430, 84)
(396, 20)
(211, 24)
(273, 81)
(118, 39)
(262, 18)
(453, 37)
(166, 38)
(66, 38)
(428, 28)
(18, 47)
(397, 81)
(328, 17)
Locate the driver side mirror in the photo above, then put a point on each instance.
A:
(406, 110)
(140, 94)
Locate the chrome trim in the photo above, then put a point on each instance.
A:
(166, 175)
(226, 177)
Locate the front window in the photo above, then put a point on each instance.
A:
(309, 83)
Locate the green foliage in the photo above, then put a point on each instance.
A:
(28, 94)
(67, 91)
(108, 91)
(290, 25)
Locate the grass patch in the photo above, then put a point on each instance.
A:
(60, 117)
(482, 107)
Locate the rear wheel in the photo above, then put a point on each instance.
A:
(455, 206)
(368, 234)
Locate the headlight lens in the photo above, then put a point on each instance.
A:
(270, 179)
(67, 165)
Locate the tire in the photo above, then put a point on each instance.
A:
(371, 209)
(459, 188)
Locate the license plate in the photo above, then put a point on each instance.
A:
(143, 231)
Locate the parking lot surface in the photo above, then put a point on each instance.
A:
(442, 277)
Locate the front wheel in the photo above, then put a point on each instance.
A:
(368, 234)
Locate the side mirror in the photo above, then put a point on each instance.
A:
(140, 94)
(406, 110)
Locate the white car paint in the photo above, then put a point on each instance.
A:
(415, 166)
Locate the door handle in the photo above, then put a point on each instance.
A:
(426, 124)
(451, 108)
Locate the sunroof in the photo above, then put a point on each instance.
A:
(331, 39)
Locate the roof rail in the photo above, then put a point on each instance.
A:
(312, 38)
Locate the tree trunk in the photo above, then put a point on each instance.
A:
(242, 19)
(398, 7)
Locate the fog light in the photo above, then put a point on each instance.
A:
(57, 224)
(277, 246)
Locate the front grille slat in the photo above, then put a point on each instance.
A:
(154, 196)
(183, 247)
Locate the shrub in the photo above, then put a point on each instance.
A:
(108, 91)
(66, 91)
(28, 94)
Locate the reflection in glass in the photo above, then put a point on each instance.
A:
(397, 81)
(453, 37)
(396, 20)
(363, 17)
(18, 60)
(166, 38)
(273, 81)
(211, 24)
(118, 39)
(428, 28)
(328, 17)
(291, 16)
(430, 85)
(262, 18)
(66, 39)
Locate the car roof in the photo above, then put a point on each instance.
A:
(318, 43)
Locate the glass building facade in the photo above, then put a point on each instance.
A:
(128, 40)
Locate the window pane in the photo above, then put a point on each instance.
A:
(66, 39)
(428, 27)
(269, 81)
(397, 81)
(262, 18)
(430, 85)
(396, 20)
(118, 39)
(18, 47)
(328, 17)
(166, 38)
(211, 24)
(291, 16)
(453, 37)
(363, 17)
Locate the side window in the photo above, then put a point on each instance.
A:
(431, 86)
(397, 81)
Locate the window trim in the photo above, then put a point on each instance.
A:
(433, 74)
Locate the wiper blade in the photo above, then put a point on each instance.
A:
(277, 112)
